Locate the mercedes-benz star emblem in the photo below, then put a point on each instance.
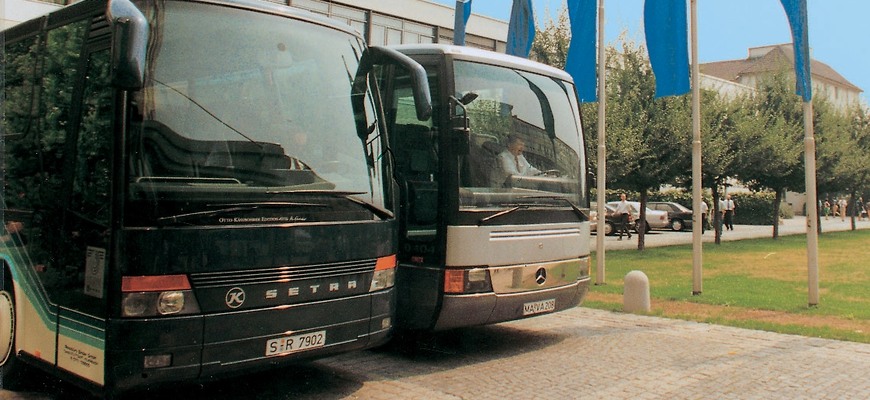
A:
(235, 297)
(541, 276)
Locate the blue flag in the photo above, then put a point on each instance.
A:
(463, 12)
(581, 52)
(521, 31)
(668, 44)
(796, 11)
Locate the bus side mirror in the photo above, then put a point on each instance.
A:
(129, 44)
(460, 127)
(379, 55)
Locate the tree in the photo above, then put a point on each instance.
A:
(771, 153)
(843, 146)
(648, 138)
(720, 119)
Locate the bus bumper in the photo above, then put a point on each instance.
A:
(489, 308)
(203, 348)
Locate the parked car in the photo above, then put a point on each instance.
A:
(655, 219)
(680, 216)
(609, 224)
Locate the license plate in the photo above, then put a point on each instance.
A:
(291, 344)
(538, 307)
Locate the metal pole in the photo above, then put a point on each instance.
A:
(812, 206)
(697, 221)
(602, 151)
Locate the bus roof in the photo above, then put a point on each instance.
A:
(485, 56)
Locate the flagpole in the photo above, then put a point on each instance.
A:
(697, 243)
(812, 206)
(602, 151)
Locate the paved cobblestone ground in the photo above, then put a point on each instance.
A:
(584, 353)
(579, 353)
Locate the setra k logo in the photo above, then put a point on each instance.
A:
(235, 297)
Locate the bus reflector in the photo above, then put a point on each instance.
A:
(156, 283)
(454, 281)
(157, 361)
(385, 263)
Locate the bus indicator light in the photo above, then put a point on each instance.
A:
(454, 281)
(385, 273)
(156, 283)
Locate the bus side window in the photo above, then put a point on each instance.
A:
(89, 209)
(36, 151)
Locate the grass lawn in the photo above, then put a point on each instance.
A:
(756, 283)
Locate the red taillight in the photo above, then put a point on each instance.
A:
(155, 283)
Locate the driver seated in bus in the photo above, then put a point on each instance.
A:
(512, 160)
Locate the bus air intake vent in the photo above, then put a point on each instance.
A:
(282, 274)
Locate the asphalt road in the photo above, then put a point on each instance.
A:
(793, 226)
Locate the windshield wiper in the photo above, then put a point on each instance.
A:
(379, 211)
(578, 211)
(179, 218)
(500, 214)
(583, 216)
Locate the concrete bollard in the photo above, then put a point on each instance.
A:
(635, 296)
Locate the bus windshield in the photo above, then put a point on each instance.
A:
(525, 141)
(242, 105)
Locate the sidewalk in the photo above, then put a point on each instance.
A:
(793, 226)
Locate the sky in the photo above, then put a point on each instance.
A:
(839, 31)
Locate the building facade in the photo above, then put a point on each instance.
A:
(739, 75)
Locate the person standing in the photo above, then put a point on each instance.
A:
(704, 211)
(842, 203)
(623, 215)
(728, 208)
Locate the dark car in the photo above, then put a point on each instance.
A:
(680, 216)
(608, 221)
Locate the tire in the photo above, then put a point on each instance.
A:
(12, 370)
(637, 227)
(677, 225)
(609, 229)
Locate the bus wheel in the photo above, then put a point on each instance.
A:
(11, 370)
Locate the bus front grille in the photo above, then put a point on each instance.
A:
(281, 274)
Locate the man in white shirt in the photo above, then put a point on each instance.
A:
(623, 216)
(512, 160)
(704, 212)
(727, 210)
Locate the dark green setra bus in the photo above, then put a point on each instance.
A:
(190, 190)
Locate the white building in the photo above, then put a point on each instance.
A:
(765, 60)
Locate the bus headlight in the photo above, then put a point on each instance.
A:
(463, 281)
(170, 302)
(385, 273)
(135, 304)
(148, 296)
